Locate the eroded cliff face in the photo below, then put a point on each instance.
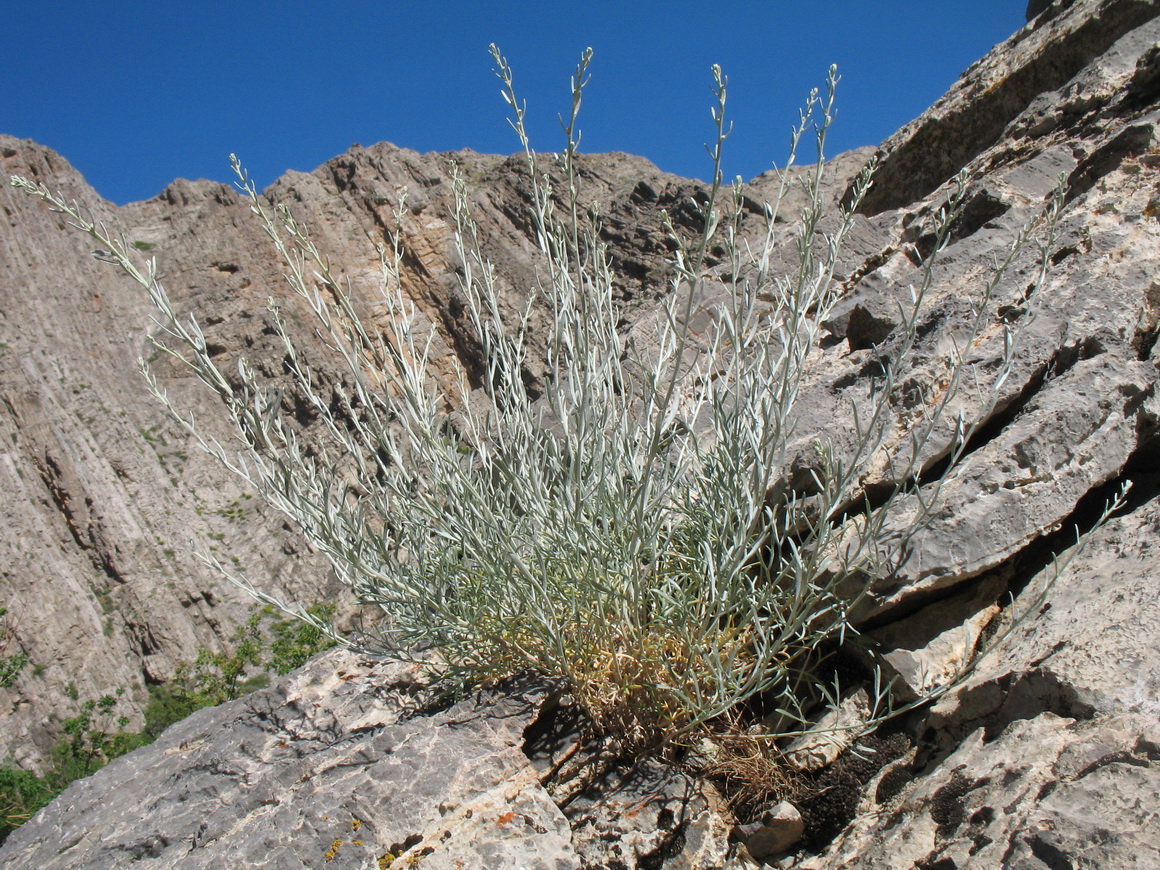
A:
(1013, 768)
(106, 498)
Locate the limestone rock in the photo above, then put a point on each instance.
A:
(833, 734)
(1041, 791)
(778, 830)
(929, 651)
(107, 498)
(645, 814)
(346, 763)
(1050, 749)
(335, 765)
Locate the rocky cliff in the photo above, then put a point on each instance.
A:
(108, 499)
(1046, 757)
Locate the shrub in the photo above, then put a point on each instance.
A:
(292, 642)
(94, 737)
(22, 793)
(89, 741)
(265, 644)
(630, 524)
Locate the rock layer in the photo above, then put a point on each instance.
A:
(107, 498)
(332, 766)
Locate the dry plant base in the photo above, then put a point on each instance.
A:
(575, 758)
(747, 772)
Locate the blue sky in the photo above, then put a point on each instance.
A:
(135, 94)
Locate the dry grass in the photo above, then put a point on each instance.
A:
(747, 771)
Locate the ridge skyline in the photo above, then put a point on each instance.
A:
(141, 97)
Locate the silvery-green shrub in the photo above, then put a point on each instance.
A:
(629, 525)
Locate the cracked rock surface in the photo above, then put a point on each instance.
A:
(345, 764)
(333, 765)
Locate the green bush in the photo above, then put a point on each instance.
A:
(22, 793)
(293, 641)
(169, 703)
(265, 644)
(89, 741)
(630, 524)
(92, 739)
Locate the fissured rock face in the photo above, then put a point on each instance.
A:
(1046, 757)
(106, 496)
